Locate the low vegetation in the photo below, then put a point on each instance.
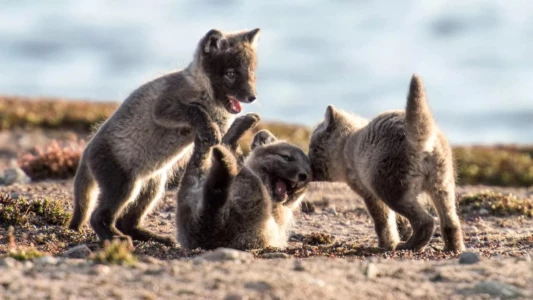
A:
(18, 112)
(496, 204)
(21, 253)
(498, 166)
(115, 252)
(318, 238)
(54, 162)
(37, 212)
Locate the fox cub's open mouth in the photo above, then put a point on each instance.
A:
(234, 105)
(285, 188)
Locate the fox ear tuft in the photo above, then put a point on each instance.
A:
(263, 137)
(331, 116)
(213, 41)
(252, 36)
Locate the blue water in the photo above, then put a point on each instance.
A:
(476, 57)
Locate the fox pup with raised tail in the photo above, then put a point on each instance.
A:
(390, 162)
(130, 156)
(222, 203)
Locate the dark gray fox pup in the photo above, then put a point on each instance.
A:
(391, 161)
(132, 153)
(224, 204)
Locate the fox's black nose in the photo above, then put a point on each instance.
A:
(251, 99)
(302, 177)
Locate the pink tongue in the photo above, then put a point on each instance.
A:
(235, 105)
(281, 188)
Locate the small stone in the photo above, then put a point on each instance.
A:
(274, 255)
(483, 212)
(227, 254)
(100, 269)
(198, 261)
(81, 251)
(46, 260)
(260, 286)
(150, 260)
(497, 289)
(234, 297)
(299, 266)
(14, 175)
(8, 262)
(332, 211)
(27, 264)
(371, 271)
(468, 258)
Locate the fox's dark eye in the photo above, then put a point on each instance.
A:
(286, 157)
(230, 74)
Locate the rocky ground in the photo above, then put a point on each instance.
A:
(342, 263)
(332, 254)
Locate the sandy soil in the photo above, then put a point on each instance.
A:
(350, 266)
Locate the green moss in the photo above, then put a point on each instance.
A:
(25, 253)
(318, 238)
(115, 252)
(40, 211)
(496, 204)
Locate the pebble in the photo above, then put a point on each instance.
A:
(81, 251)
(8, 262)
(27, 264)
(234, 297)
(100, 269)
(274, 255)
(13, 175)
(46, 260)
(497, 289)
(371, 271)
(332, 211)
(468, 258)
(198, 261)
(299, 265)
(227, 254)
(483, 212)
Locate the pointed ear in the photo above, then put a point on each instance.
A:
(213, 41)
(263, 137)
(331, 116)
(252, 36)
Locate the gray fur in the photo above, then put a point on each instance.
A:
(132, 154)
(224, 204)
(392, 161)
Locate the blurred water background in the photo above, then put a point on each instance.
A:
(476, 57)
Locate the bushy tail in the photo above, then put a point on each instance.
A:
(418, 118)
(84, 188)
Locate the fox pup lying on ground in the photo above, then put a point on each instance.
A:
(131, 154)
(224, 204)
(390, 162)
